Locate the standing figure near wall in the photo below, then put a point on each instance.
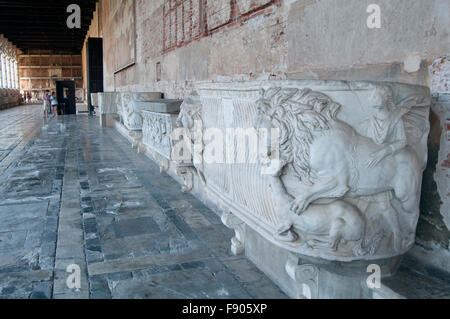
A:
(46, 103)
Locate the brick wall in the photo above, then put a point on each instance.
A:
(185, 21)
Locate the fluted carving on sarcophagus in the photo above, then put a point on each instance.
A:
(339, 164)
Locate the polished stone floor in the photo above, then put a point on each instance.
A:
(72, 193)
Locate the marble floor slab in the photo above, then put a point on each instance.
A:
(73, 193)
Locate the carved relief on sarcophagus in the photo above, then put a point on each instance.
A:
(327, 169)
(159, 122)
(132, 105)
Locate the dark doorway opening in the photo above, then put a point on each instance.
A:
(94, 65)
(65, 91)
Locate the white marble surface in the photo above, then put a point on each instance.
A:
(161, 106)
(345, 177)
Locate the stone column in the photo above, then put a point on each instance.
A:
(1, 71)
(8, 72)
(16, 75)
(11, 73)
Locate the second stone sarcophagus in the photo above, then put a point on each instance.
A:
(132, 105)
(159, 122)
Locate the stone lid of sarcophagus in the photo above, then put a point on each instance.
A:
(161, 106)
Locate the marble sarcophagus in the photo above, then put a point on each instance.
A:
(311, 174)
(159, 121)
(133, 103)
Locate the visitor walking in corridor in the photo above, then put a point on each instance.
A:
(46, 100)
(54, 104)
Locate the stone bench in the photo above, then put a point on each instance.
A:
(9, 98)
(337, 189)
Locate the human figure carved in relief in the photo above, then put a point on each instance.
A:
(191, 120)
(386, 127)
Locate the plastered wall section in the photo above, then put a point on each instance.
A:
(243, 40)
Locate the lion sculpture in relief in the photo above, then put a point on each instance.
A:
(323, 160)
(132, 119)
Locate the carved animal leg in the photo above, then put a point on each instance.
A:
(330, 189)
(280, 195)
(336, 233)
(282, 199)
(238, 241)
(285, 233)
(318, 242)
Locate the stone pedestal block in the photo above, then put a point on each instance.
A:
(9, 98)
(303, 277)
